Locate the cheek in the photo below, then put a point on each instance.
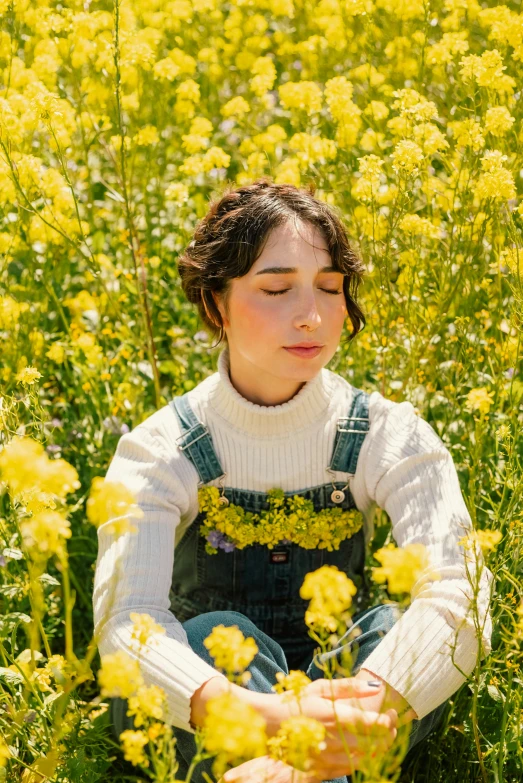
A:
(254, 316)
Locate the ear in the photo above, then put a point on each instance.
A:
(219, 304)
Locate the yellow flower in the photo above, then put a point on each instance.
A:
(234, 731)
(292, 683)
(43, 533)
(10, 311)
(133, 743)
(330, 593)
(487, 539)
(498, 120)
(144, 627)
(28, 375)
(402, 567)
(5, 753)
(147, 136)
(406, 158)
(479, 400)
(298, 740)
(236, 107)
(119, 675)
(27, 469)
(56, 353)
(112, 501)
(147, 702)
(231, 651)
(301, 95)
(495, 182)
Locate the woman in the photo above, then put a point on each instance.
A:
(271, 271)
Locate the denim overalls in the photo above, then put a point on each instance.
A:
(261, 583)
(257, 589)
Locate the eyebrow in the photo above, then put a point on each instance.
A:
(288, 270)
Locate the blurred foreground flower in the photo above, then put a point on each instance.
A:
(112, 501)
(119, 675)
(487, 539)
(232, 652)
(330, 593)
(234, 731)
(297, 741)
(401, 567)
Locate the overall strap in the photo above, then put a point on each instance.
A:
(351, 434)
(196, 442)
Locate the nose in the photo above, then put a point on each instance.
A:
(308, 314)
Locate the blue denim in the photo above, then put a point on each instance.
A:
(257, 589)
(374, 624)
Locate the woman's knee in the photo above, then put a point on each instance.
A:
(198, 628)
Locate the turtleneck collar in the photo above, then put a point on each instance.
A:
(270, 420)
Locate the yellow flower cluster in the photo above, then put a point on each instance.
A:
(287, 519)
(112, 501)
(487, 539)
(231, 651)
(234, 731)
(291, 684)
(401, 567)
(479, 400)
(298, 740)
(144, 628)
(329, 592)
(119, 675)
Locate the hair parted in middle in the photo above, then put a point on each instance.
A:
(231, 236)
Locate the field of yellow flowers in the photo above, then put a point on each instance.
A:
(118, 123)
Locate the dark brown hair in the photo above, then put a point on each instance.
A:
(231, 236)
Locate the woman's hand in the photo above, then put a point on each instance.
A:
(353, 734)
(378, 699)
(267, 770)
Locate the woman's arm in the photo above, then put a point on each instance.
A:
(134, 573)
(405, 468)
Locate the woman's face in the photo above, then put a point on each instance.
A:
(290, 295)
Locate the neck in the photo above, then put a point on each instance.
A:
(264, 419)
(258, 386)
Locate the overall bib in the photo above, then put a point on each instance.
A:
(261, 583)
(257, 589)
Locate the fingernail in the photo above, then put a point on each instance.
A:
(374, 683)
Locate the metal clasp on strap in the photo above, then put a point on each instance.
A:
(352, 418)
(187, 432)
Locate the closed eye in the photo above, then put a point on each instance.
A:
(284, 291)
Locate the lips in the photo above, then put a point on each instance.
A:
(305, 353)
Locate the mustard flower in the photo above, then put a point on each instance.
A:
(28, 376)
(479, 400)
(301, 95)
(119, 675)
(298, 740)
(43, 534)
(495, 181)
(133, 743)
(291, 684)
(112, 501)
(330, 593)
(401, 567)
(487, 539)
(236, 107)
(234, 731)
(231, 651)
(147, 702)
(144, 628)
(406, 158)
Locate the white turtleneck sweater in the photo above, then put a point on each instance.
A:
(403, 468)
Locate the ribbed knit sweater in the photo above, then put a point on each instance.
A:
(403, 468)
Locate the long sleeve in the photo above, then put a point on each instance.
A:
(139, 566)
(407, 471)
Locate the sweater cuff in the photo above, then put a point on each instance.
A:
(415, 657)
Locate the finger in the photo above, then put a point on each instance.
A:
(345, 688)
(407, 717)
